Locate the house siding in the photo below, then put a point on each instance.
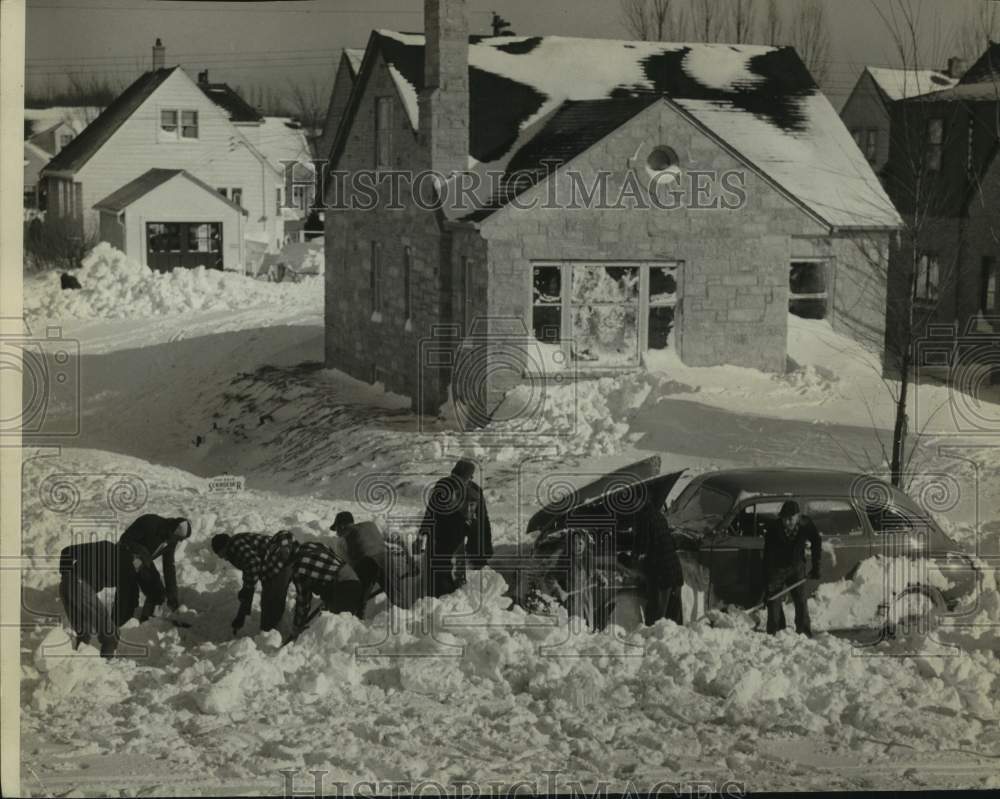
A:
(341, 93)
(135, 148)
(865, 110)
(354, 342)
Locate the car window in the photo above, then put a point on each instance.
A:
(834, 517)
(702, 510)
(754, 519)
(888, 520)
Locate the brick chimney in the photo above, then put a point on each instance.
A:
(956, 67)
(444, 101)
(159, 55)
(203, 77)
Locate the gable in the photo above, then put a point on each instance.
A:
(616, 153)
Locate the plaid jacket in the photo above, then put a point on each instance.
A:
(259, 557)
(314, 570)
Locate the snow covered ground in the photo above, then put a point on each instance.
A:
(469, 688)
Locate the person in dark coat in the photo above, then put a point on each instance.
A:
(575, 581)
(457, 528)
(150, 537)
(654, 552)
(86, 569)
(366, 554)
(785, 564)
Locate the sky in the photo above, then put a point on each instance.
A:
(277, 44)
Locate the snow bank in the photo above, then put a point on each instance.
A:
(115, 287)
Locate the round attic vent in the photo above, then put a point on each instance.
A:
(662, 161)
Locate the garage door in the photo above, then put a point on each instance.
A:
(183, 244)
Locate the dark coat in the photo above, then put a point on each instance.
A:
(456, 515)
(150, 537)
(97, 563)
(785, 556)
(656, 551)
(364, 540)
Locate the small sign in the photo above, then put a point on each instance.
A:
(226, 484)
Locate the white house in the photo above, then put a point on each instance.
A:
(167, 218)
(165, 120)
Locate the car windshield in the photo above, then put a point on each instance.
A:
(701, 509)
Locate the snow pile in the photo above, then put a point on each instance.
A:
(468, 680)
(115, 287)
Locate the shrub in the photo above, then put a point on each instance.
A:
(55, 244)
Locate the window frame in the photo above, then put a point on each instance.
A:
(826, 265)
(566, 305)
(383, 132)
(871, 145)
(989, 273)
(236, 195)
(177, 134)
(923, 296)
(375, 280)
(934, 150)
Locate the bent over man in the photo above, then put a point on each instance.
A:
(785, 565)
(262, 558)
(150, 537)
(316, 569)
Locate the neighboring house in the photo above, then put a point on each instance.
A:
(348, 68)
(866, 112)
(283, 142)
(54, 138)
(74, 117)
(596, 289)
(165, 120)
(167, 218)
(35, 159)
(944, 176)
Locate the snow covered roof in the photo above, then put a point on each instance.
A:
(283, 139)
(77, 117)
(899, 84)
(760, 101)
(135, 189)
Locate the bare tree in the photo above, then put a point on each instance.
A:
(810, 35)
(708, 20)
(308, 100)
(923, 264)
(978, 30)
(648, 20)
(743, 20)
(774, 24)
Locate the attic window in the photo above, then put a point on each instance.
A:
(662, 160)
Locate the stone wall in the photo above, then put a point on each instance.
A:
(734, 281)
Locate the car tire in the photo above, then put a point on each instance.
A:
(915, 611)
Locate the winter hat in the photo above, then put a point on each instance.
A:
(464, 468)
(343, 518)
(219, 543)
(789, 509)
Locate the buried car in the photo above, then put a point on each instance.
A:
(719, 519)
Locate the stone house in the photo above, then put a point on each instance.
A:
(866, 113)
(944, 176)
(564, 258)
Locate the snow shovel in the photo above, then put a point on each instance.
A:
(761, 605)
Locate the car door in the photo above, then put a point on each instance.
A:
(846, 541)
(737, 554)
